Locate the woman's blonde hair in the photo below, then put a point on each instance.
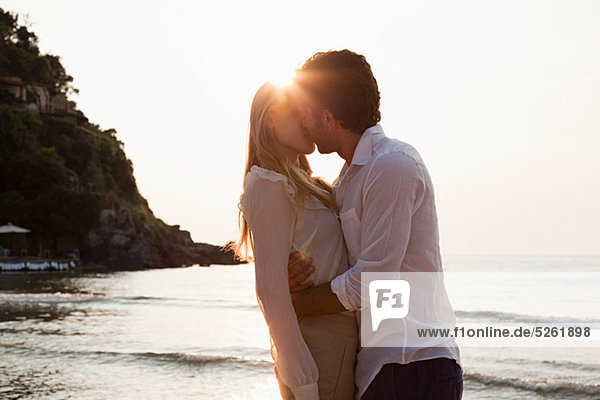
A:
(263, 151)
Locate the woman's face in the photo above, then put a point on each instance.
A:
(286, 122)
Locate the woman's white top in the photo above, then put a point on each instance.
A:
(278, 229)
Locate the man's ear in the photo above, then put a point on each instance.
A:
(328, 119)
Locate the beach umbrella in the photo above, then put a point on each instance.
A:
(10, 228)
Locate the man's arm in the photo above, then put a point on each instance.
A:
(316, 300)
(306, 298)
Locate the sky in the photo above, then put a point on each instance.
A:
(500, 98)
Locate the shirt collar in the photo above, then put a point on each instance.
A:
(364, 147)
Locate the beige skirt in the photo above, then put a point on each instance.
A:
(333, 342)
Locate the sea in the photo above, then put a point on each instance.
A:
(198, 333)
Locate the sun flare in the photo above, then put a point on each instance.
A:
(283, 78)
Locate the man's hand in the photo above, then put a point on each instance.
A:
(298, 271)
(306, 297)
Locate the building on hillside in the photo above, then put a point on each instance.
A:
(38, 97)
(16, 241)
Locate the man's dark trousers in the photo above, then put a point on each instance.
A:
(437, 378)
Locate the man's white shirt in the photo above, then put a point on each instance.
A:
(389, 219)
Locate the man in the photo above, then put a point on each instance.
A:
(388, 215)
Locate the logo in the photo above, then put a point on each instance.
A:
(389, 299)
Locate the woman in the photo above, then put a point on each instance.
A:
(284, 209)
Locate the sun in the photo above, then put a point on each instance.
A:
(279, 70)
(282, 77)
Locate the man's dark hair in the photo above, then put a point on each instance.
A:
(342, 82)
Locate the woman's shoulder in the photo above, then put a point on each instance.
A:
(264, 185)
(265, 173)
(259, 174)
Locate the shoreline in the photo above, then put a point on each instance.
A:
(57, 264)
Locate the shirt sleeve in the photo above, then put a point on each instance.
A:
(393, 190)
(270, 214)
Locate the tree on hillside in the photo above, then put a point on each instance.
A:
(20, 56)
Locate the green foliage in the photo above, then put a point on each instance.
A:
(14, 207)
(55, 176)
(62, 210)
(30, 173)
(18, 131)
(20, 57)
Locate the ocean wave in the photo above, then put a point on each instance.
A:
(538, 386)
(204, 359)
(85, 297)
(139, 298)
(572, 365)
(189, 358)
(79, 297)
(236, 306)
(497, 316)
(57, 297)
(535, 364)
